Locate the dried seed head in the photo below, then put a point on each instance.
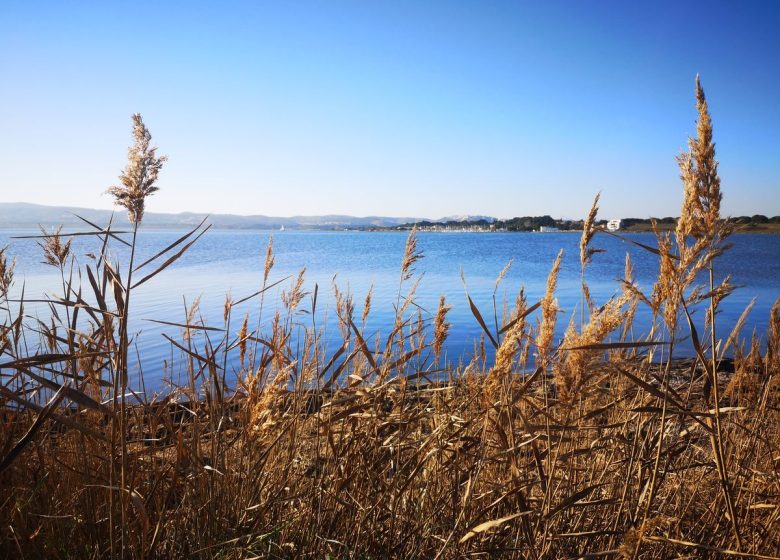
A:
(440, 327)
(572, 374)
(269, 259)
(367, 303)
(345, 309)
(6, 272)
(689, 223)
(280, 338)
(55, 252)
(505, 354)
(703, 151)
(588, 231)
(411, 255)
(292, 298)
(140, 175)
(502, 275)
(191, 312)
(666, 292)
(242, 338)
(227, 307)
(700, 213)
(546, 333)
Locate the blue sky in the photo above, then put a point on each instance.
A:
(391, 108)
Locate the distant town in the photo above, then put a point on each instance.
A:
(548, 224)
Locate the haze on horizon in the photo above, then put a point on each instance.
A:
(393, 108)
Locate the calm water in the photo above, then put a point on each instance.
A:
(232, 261)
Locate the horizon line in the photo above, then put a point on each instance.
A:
(396, 217)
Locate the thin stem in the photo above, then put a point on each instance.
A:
(717, 435)
(123, 372)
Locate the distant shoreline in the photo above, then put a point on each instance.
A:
(34, 230)
(26, 215)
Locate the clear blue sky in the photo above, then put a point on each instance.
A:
(400, 108)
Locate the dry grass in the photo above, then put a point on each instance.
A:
(593, 450)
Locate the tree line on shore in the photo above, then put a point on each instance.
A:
(533, 223)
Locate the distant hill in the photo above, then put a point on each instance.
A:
(467, 218)
(22, 214)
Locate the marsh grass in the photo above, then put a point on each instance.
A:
(589, 447)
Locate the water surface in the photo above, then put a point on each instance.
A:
(231, 262)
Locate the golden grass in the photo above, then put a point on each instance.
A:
(383, 448)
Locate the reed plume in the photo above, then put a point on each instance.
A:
(586, 255)
(502, 275)
(700, 217)
(269, 259)
(411, 255)
(546, 330)
(520, 315)
(574, 371)
(140, 175)
(588, 231)
(6, 272)
(345, 309)
(6, 280)
(242, 338)
(667, 290)
(191, 313)
(293, 298)
(227, 307)
(440, 327)
(55, 251)
(505, 354)
(703, 154)
(367, 304)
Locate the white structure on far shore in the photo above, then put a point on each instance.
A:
(548, 229)
(613, 225)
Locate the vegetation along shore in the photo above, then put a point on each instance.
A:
(604, 444)
(740, 224)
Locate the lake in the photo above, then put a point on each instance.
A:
(223, 262)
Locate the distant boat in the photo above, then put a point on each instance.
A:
(281, 228)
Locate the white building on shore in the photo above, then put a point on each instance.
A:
(613, 225)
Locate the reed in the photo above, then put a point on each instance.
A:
(386, 446)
